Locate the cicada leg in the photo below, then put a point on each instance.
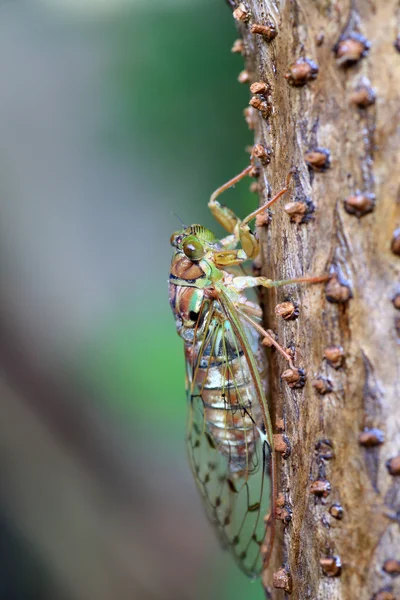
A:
(231, 222)
(251, 308)
(269, 337)
(244, 282)
(224, 215)
(247, 281)
(267, 204)
(249, 243)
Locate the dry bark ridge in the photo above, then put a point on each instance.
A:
(332, 74)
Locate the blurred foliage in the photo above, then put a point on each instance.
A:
(176, 104)
(176, 93)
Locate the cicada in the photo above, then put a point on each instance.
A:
(229, 432)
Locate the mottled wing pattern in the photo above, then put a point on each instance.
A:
(228, 451)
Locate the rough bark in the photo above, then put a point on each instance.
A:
(323, 429)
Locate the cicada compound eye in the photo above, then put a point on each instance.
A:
(193, 249)
(175, 238)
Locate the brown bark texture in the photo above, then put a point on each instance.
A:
(330, 109)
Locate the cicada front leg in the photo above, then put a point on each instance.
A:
(224, 215)
(239, 229)
(249, 243)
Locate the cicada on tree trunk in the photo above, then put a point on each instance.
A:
(229, 432)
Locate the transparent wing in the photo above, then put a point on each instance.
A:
(228, 449)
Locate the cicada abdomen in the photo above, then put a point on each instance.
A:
(219, 371)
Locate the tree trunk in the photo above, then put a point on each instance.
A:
(330, 110)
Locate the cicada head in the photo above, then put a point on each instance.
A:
(194, 242)
(193, 259)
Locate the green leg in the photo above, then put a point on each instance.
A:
(224, 215)
(243, 282)
(227, 258)
(227, 218)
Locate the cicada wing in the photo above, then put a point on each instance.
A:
(228, 450)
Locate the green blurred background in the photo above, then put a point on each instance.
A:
(114, 116)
